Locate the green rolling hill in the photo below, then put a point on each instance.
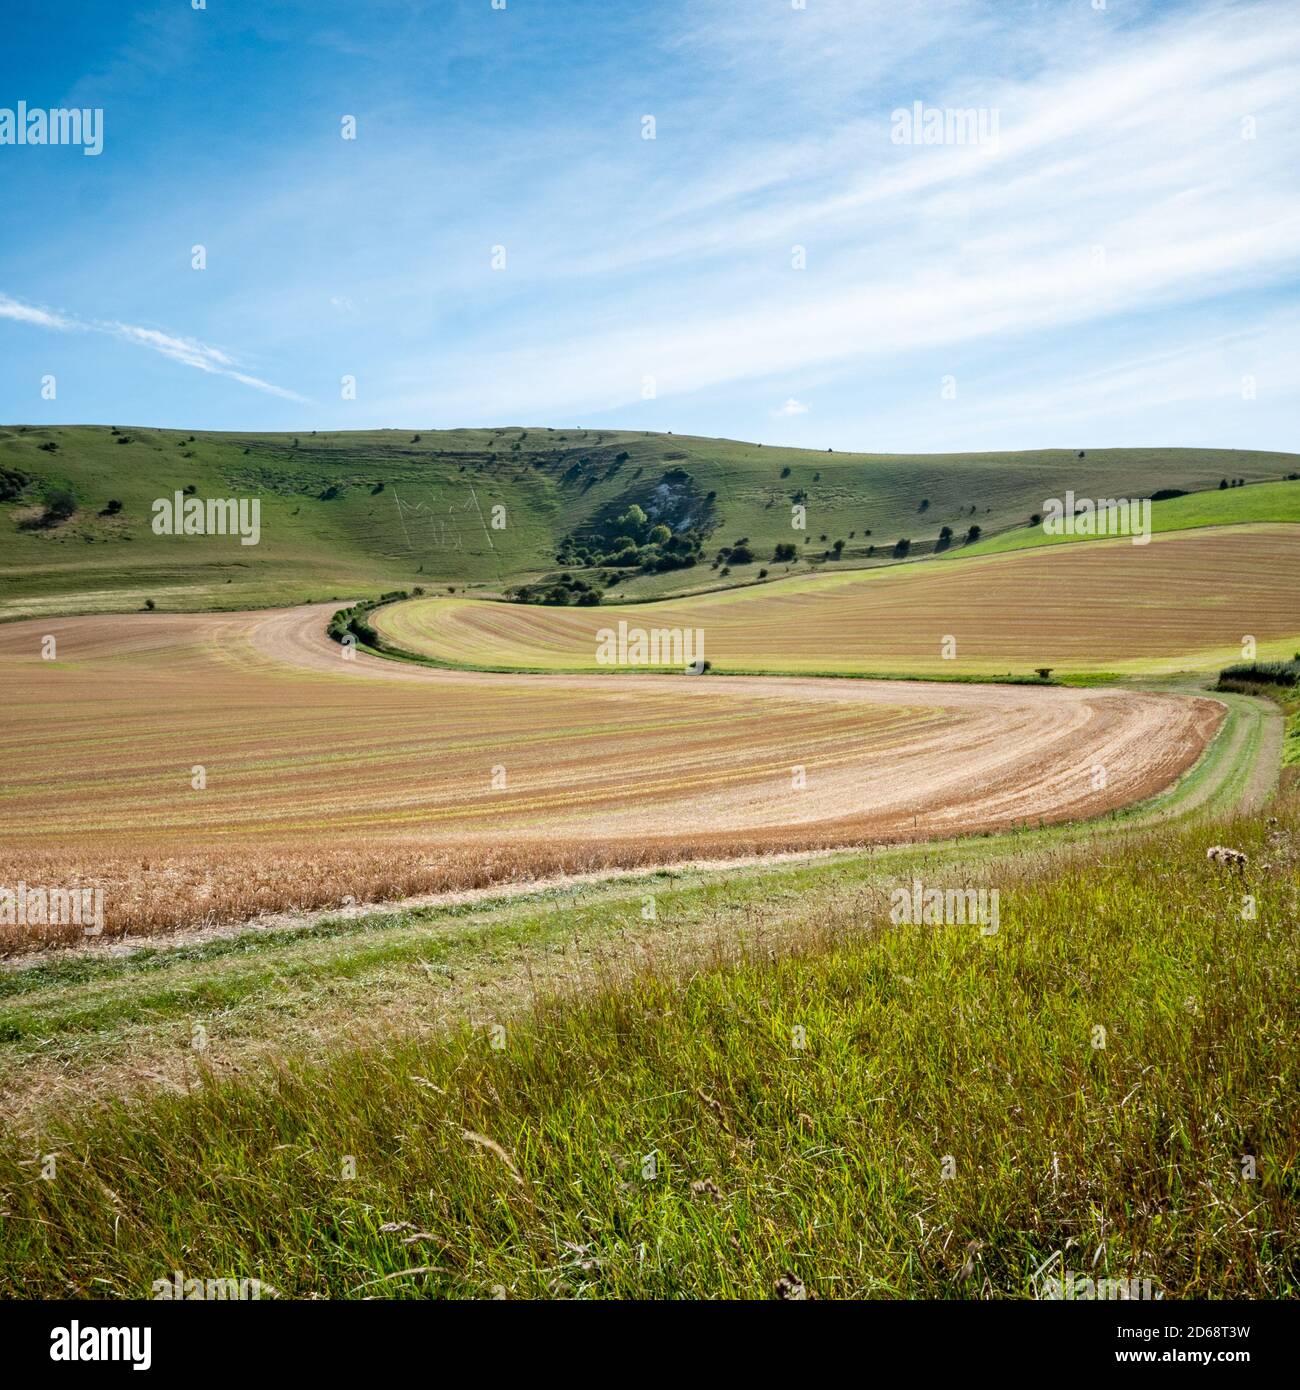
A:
(349, 514)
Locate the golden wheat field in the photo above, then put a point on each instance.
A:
(208, 768)
(1182, 602)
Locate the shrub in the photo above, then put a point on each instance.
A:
(60, 503)
(901, 547)
(1264, 672)
(785, 552)
(12, 483)
(111, 507)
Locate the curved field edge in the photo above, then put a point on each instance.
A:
(877, 1108)
(312, 845)
(79, 1023)
(548, 640)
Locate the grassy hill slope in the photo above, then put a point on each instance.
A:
(1264, 502)
(350, 513)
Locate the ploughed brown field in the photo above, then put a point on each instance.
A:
(328, 778)
(1182, 602)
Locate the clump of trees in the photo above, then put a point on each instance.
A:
(633, 541)
(558, 592)
(739, 554)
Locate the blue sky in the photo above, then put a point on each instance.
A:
(1119, 266)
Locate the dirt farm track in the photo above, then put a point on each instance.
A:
(324, 778)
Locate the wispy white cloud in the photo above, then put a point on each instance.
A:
(28, 313)
(188, 351)
(1243, 367)
(1137, 172)
(792, 407)
(1121, 218)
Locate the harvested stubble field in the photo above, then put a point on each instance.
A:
(328, 778)
(1182, 602)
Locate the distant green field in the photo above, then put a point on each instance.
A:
(348, 514)
(1262, 502)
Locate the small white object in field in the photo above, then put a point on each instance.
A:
(1221, 854)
